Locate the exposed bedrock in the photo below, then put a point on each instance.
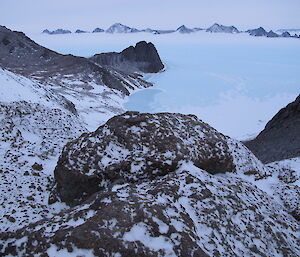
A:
(135, 146)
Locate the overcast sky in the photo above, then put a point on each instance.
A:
(35, 15)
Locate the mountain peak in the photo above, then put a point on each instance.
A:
(184, 29)
(120, 28)
(216, 28)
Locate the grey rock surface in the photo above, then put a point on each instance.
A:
(259, 32)
(271, 33)
(184, 30)
(280, 139)
(216, 28)
(142, 57)
(286, 34)
(97, 30)
(57, 31)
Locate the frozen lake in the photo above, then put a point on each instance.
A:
(236, 83)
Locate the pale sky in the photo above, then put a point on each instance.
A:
(36, 15)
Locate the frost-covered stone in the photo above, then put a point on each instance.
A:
(188, 212)
(134, 146)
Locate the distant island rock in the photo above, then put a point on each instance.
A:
(217, 28)
(120, 28)
(183, 29)
(271, 33)
(141, 58)
(56, 32)
(81, 31)
(98, 30)
(259, 32)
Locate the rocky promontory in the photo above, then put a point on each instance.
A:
(142, 57)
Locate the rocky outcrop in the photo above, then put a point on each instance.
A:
(280, 139)
(217, 28)
(21, 55)
(184, 30)
(141, 58)
(56, 32)
(271, 33)
(120, 28)
(81, 31)
(259, 32)
(185, 213)
(286, 34)
(135, 146)
(97, 30)
(154, 197)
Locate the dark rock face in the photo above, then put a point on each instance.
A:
(286, 34)
(80, 31)
(280, 139)
(185, 213)
(56, 32)
(135, 146)
(259, 32)
(271, 33)
(141, 58)
(98, 30)
(21, 55)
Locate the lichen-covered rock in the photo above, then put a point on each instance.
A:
(135, 146)
(188, 212)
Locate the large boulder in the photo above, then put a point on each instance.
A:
(136, 146)
(142, 57)
(188, 212)
(280, 139)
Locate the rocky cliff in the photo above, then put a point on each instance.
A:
(142, 57)
(280, 139)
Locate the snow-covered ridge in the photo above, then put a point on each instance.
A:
(46, 100)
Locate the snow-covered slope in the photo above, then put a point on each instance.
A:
(183, 29)
(216, 28)
(251, 210)
(160, 203)
(120, 28)
(46, 100)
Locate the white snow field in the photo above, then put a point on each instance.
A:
(234, 82)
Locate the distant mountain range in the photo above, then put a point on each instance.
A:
(215, 28)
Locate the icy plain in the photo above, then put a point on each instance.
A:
(234, 82)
